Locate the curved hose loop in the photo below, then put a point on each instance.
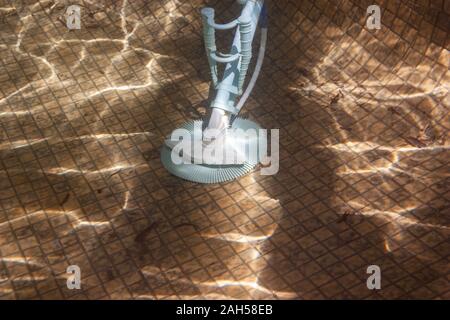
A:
(208, 14)
(259, 62)
(224, 58)
(225, 26)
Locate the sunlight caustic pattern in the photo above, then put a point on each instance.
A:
(364, 154)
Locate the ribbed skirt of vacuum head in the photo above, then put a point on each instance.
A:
(203, 173)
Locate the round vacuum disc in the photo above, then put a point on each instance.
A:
(203, 173)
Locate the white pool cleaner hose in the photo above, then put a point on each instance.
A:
(259, 62)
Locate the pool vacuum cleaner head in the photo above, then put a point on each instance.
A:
(223, 147)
